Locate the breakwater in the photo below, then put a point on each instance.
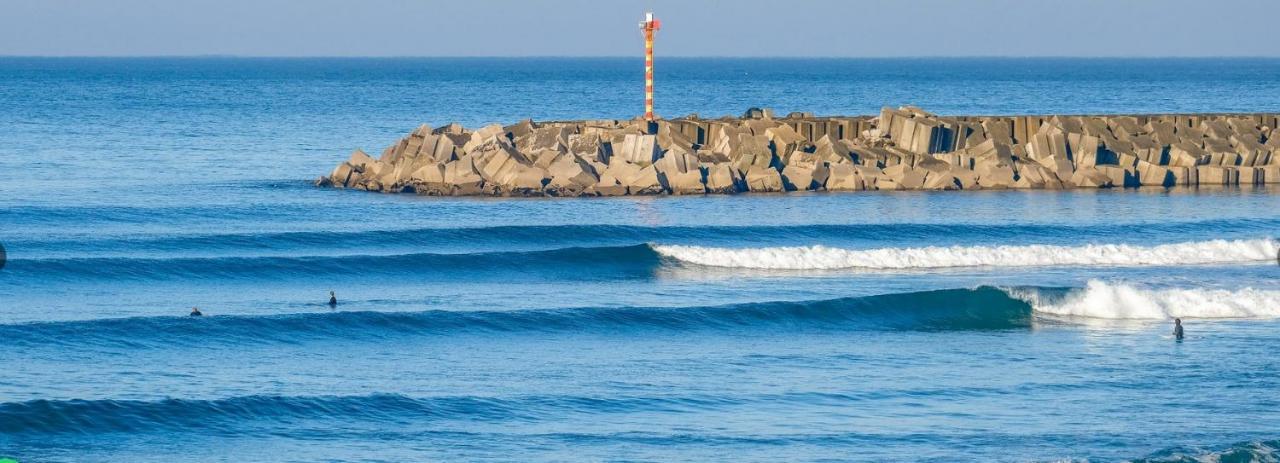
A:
(900, 149)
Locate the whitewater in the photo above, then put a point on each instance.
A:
(1120, 301)
(819, 257)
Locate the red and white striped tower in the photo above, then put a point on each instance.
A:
(649, 26)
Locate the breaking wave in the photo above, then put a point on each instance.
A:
(1114, 301)
(827, 258)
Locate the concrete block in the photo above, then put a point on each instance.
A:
(484, 136)
(1270, 174)
(1084, 149)
(588, 146)
(940, 181)
(430, 173)
(995, 176)
(722, 179)
(764, 179)
(1185, 154)
(1217, 175)
(360, 161)
(843, 177)
(1090, 177)
(1031, 176)
(1124, 126)
(1257, 174)
(645, 182)
(906, 177)
(804, 177)
(462, 172)
(1150, 174)
(608, 186)
(341, 174)
(569, 172)
(1119, 176)
(637, 149)
(684, 183)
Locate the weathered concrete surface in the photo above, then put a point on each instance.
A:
(900, 149)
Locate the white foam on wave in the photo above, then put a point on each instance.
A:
(1127, 302)
(827, 258)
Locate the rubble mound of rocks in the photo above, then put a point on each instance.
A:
(901, 149)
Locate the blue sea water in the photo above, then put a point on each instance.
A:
(896, 326)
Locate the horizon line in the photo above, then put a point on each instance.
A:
(236, 56)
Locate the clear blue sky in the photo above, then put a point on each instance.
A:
(858, 28)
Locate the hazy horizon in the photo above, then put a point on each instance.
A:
(583, 28)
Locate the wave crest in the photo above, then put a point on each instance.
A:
(1114, 301)
(827, 258)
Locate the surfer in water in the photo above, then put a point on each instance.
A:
(195, 312)
(333, 299)
(1177, 329)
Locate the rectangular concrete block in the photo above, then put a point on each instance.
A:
(1250, 176)
(1218, 175)
(1084, 149)
(1150, 174)
(1184, 176)
(1264, 158)
(1271, 174)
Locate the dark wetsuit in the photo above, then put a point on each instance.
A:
(196, 313)
(1177, 332)
(333, 300)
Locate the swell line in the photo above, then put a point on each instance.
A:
(953, 309)
(637, 261)
(605, 262)
(981, 308)
(534, 236)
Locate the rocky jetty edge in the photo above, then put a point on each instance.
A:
(901, 149)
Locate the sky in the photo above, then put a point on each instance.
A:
(747, 28)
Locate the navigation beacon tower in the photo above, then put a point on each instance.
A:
(649, 26)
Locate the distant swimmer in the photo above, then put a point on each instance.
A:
(195, 312)
(1177, 328)
(333, 299)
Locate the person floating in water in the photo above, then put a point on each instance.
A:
(195, 312)
(1177, 328)
(333, 299)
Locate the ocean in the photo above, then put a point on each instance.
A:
(870, 326)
